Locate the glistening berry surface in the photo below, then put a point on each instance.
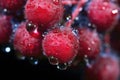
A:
(103, 68)
(26, 44)
(45, 13)
(103, 14)
(61, 43)
(89, 43)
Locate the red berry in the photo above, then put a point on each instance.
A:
(25, 43)
(5, 29)
(12, 5)
(103, 14)
(106, 67)
(89, 43)
(45, 13)
(61, 44)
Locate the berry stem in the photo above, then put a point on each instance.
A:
(76, 12)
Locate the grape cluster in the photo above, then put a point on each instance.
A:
(66, 32)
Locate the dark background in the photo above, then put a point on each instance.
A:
(13, 68)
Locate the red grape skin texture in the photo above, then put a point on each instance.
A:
(45, 13)
(12, 5)
(105, 68)
(103, 14)
(61, 44)
(5, 29)
(26, 44)
(89, 43)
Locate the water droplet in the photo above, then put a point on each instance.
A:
(62, 66)
(89, 48)
(34, 61)
(56, 2)
(115, 11)
(30, 27)
(7, 49)
(53, 60)
(87, 61)
(33, 30)
(5, 10)
(68, 18)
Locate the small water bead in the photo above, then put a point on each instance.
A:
(7, 49)
(34, 61)
(68, 12)
(56, 2)
(89, 48)
(5, 10)
(68, 18)
(62, 66)
(87, 61)
(53, 60)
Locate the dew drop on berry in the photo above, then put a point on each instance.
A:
(34, 61)
(56, 2)
(53, 60)
(87, 61)
(33, 30)
(115, 11)
(30, 27)
(62, 66)
(68, 18)
(89, 48)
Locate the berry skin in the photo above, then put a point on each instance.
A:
(25, 43)
(103, 14)
(62, 44)
(89, 43)
(12, 5)
(5, 29)
(106, 67)
(45, 13)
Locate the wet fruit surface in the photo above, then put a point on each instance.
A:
(60, 39)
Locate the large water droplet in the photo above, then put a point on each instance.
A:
(53, 60)
(30, 27)
(62, 66)
(34, 61)
(33, 30)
